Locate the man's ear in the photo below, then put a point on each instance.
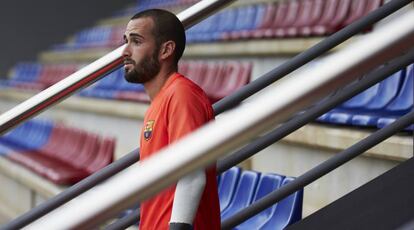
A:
(167, 50)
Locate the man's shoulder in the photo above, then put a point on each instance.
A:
(184, 87)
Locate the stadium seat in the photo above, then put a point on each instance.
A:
(334, 14)
(360, 109)
(377, 106)
(59, 153)
(250, 16)
(280, 14)
(388, 90)
(293, 10)
(304, 29)
(344, 114)
(226, 22)
(288, 211)
(196, 71)
(266, 22)
(227, 186)
(356, 11)
(214, 77)
(116, 38)
(24, 76)
(38, 132)
(267, 183)
(305, 10)
(244, 193)
(53, 73)
(402, 104)
(235, 75)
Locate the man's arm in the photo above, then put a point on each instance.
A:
(186, 113)
(187, 197)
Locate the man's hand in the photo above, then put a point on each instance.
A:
(180, 226)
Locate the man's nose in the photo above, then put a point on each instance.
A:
(126, 52)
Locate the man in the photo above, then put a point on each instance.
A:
(155, 41)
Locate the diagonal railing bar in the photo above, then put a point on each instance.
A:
(290, 126)
(319, 171)
(219, 107)
(298, 92)
(125, 222)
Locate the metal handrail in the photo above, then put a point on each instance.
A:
(93, 72)
(293, 124)
(180, 158)
(228, 102)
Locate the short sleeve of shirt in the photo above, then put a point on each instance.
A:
(186, 113)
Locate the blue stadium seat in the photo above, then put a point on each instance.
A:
(227, 186)
(267, 183)
(25, 72)
(365, 108)
(30, 135)
(256, 22)
(402, 104)
(288, 211)
(344, 114)
(246, 20)
(96, 36)
(388, 90)
(111, 86)
(227, 20)
(244, 193)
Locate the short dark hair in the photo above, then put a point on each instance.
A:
(166, 27)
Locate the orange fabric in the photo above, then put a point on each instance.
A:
(178, 109)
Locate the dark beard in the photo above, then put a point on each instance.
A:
(145, 71)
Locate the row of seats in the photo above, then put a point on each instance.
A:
(379, 105)
(240, 188)
(35, 76)
(218, 79)
(294, 18)
(62, 154)
(95, 37)
(112, 36)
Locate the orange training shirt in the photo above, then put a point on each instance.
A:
(179, 108)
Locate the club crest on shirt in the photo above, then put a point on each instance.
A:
(148, 129)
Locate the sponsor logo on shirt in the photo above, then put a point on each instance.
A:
(148, 129)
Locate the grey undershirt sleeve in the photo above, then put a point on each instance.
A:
(187, 197)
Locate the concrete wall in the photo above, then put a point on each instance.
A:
(28, 27)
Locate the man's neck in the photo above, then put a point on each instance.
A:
(154, 86)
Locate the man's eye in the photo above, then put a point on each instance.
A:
(136, 41)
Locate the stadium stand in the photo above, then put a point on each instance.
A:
(53, 146)
(217, 79)
(60, 153)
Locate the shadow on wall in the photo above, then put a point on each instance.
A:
(28, 27)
